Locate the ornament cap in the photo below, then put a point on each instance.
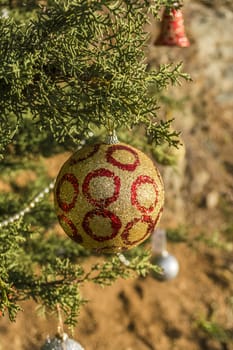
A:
(164, 253)
(112, 138)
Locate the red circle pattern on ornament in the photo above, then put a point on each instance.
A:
(71, 178)
(113, 161)
(144, 219)
(76, 236)
(143, 179)
(74, 161)
(115, 223)
(102, 202)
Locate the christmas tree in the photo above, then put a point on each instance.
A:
(72, 72)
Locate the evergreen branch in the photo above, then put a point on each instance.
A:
(167, 73)
(59, 280)
(69, 78)
(74, 67)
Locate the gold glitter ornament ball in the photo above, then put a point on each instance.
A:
(109, 198)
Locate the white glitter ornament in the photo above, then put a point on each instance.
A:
(64, 343)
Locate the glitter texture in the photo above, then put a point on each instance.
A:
(101, 173)
(65, 206)
(122, 163)
(109, 198)
(143, 179)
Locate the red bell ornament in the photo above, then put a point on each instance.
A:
(172, 29)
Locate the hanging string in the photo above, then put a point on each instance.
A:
(159, 242)
(111, 138)
(29, 207)
(60, 327)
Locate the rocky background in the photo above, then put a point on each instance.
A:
(195, 310)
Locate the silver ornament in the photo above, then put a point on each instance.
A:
(64, 343)
(169, 265)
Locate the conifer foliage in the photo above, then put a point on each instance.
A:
(68, 69)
